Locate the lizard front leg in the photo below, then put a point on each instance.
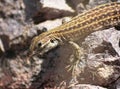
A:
(77, 59)
(77, 64)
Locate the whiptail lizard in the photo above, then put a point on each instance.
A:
(99, 18)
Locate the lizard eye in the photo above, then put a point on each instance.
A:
(39, 44)
(52, 41)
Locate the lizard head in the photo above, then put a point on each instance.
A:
(42, 43)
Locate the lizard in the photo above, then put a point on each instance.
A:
(99, 18)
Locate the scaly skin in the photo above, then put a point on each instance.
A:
(79, 27)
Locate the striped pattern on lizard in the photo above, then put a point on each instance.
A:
(98, 18)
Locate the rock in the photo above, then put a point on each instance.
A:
(86, 86)
(51, 10)
(100, 64)
(1, 46)
(61, 5)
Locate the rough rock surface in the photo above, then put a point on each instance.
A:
(19, 24)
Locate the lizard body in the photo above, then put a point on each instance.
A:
(79, 27)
